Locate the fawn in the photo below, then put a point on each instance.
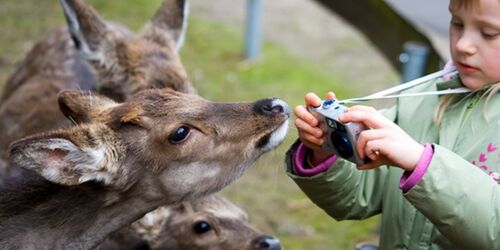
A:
(126, 159)
(208, 223)
(92, 55)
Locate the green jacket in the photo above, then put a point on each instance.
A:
(456, 205)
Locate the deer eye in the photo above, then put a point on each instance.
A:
(201, 227)
(179, 135)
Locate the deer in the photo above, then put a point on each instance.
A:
(123, 160)
(208, 223)
(92, 54)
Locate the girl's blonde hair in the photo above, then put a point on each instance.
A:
(467, 4)
(448, 100)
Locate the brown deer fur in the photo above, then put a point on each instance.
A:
(96, 56)
(209, 223)
(160, 147)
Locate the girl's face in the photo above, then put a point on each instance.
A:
(475, 42)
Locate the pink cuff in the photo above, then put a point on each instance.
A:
(299, 158)
(410, 179)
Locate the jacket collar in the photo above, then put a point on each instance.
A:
(452, 83)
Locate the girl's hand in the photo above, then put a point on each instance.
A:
(385, 142)
(307, 127)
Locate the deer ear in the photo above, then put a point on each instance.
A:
(86, 27)
(83, 107)
(129, 113)
(151, 224)
(58, 158)
(168, 26)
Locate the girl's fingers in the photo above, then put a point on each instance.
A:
(363, 108)
(302, 113)
(373, 149)
(371, 165)
(306, 128)
(307, 124)
(366, 136)
(330, 95)
(310, 139)
(312, 99)
(367, 117)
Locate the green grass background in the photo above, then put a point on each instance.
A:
(213, 57)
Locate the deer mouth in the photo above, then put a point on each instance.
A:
(273, 139)
(277, 109)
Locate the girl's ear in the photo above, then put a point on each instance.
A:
(70, 157)
(86, 27)
(168, 26)
(83, 107)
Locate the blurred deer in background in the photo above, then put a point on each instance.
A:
(93, 55)
(209, 223)
(123, 160)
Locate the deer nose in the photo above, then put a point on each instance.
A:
(272, 106)
(267, 242)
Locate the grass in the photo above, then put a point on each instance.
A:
(213, 57)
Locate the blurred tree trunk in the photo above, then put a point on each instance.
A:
(384, 27)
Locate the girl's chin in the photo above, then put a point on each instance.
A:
(474, 84)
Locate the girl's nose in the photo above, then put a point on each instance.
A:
(465, 44)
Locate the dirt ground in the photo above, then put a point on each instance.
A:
(312, 33)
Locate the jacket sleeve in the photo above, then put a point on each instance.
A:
(460, 200)
(343, 191)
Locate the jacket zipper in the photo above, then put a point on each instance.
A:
(470, 106)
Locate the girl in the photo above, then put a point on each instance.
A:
(435, 169)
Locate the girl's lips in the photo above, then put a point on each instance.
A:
(465, 68)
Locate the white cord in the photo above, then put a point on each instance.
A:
(440, 92)
(386, 94)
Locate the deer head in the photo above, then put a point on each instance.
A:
(127, 63)
(125, 159)
(208, 223)
(181, 138)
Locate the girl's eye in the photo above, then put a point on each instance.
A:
(179, 135)
(489, 33)
(201, 227)
(456, 24)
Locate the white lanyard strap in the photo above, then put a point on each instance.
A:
(440, 92)
(386, 94)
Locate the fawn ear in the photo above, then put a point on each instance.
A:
(168, 26)
(86, 27)
(151, 224)
(83, 107)
(70, 157)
